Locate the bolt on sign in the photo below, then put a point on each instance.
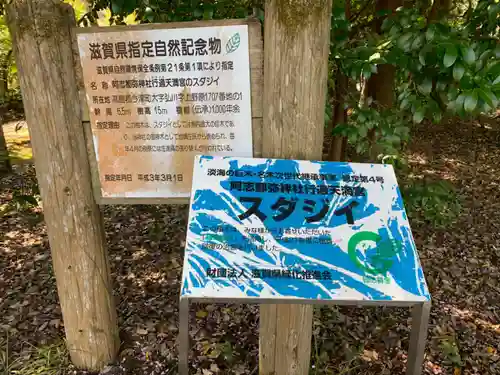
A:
(158, 96)
(270, 231)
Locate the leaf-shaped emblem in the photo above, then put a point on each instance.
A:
(233, 43)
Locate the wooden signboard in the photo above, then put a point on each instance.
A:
(157, 95)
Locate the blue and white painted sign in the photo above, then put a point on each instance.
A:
(276, 229)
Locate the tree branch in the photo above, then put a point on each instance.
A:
(354, 17)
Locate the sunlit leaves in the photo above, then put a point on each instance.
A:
(450, 55)
(149, 14)
(494, 70)
(419, 114)
(458, 72)
(450, 68)
(470, 101)
(422, 54)
(208, 12)
(468, 55)
(123, 7)
(171, 11)
(429, 34)
(488, 97)
(405, 104)
(459, 102)
(404, 42)
(426, 86)
(374, 57)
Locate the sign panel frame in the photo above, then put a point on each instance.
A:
(256, 55)
(227, 212)
(297, 229)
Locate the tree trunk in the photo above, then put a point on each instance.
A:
(4, 77)
(41, 32)
(337, 147)
(5, 166)
(296, 49)
(338, 144)
(380, 86)
(439, 9)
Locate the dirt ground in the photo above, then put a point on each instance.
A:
(145, 244)
(18, 141)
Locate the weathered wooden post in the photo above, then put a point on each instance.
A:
(44, 55)
(296, 45)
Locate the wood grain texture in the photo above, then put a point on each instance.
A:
(256, 53)
(296, 45)
(44, 56)
(295, 71)
(267, 338)
(293, 339)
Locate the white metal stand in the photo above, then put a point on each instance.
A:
(420, 320)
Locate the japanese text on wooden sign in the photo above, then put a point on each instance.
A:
(157, 97)
(266, 228)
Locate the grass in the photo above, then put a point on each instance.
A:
(18, 142)
(45, 360)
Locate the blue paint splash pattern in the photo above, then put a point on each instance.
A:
(225, 255)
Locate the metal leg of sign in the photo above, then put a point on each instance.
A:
(420, 321)
(183, 336)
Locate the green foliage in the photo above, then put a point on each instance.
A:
(324, 346)
(450, 351)
(25, 198)
(170, 11)
(426, 201)
(431, 202)
(215, 350)
(79, 7)
(47, 360)
(444, 67)
(390, 124)
(9, 89)
(448, 69)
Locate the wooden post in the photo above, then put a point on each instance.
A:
(41, 31)
(296, 45)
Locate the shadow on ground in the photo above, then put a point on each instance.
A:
(145, 245)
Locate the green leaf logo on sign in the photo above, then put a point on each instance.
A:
(379, 263)
(233, 43)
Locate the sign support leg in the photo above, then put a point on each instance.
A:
(420, 321)
(295, 69)
(183, 336)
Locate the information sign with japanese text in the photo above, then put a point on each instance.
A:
(267, 228)
(159, 96)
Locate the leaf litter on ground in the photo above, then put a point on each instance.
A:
(145, 246)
